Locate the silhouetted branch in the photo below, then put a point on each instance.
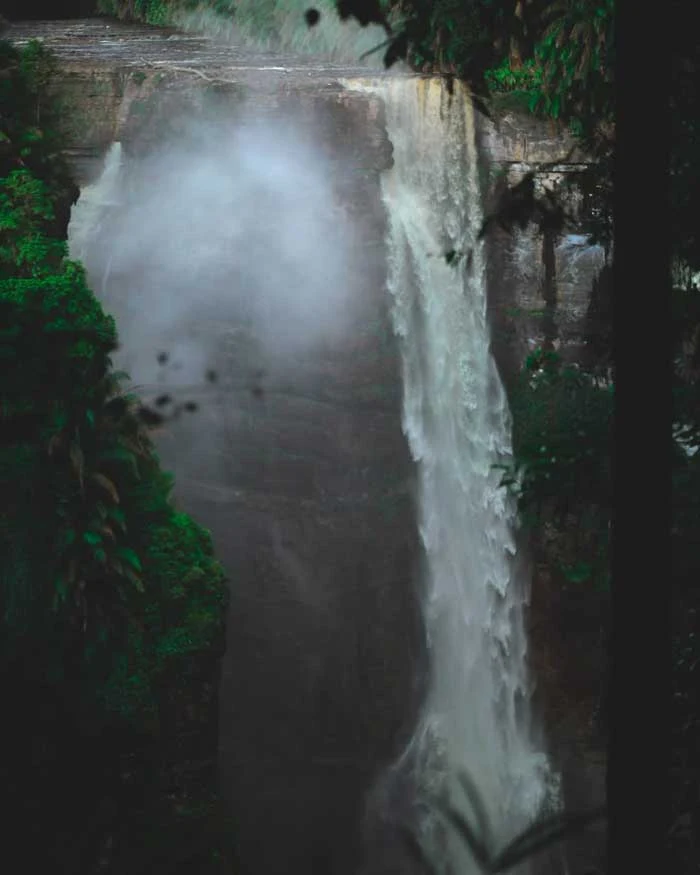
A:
(538, 837)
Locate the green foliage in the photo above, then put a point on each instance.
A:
(119, 549)
(26, 211)
(159, 12)
(28, 142)
(99, 472)
(526, 80)
(575, 54)
(55, 321)
(562, 433)
(559, 55)
(27, 112)
(451, 36)
(181, 615)
(24, 85)
(562, 441)
(111, 600)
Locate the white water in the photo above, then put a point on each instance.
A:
(456, 419)
(92, 208)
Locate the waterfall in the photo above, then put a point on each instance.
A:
(457, 423)
(476, 717)
(88, 214)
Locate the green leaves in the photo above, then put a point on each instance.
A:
(526, 79)
(110, 599)
(27, 212)
(116, 515)
(129, 556)
(576, 56)
(578, 573)
(562, 440)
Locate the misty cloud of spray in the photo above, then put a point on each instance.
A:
(230, 229)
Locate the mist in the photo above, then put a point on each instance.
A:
(229, 237)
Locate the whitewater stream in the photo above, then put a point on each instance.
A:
(476, 719)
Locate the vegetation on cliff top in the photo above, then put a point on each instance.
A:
(158, 12)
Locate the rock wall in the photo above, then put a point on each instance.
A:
(511, 145)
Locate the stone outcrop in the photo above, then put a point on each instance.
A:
(524, 313)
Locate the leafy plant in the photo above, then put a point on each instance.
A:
(526, 79)
(111, 601)
(562, 435)
(26, 209)
(576, 57)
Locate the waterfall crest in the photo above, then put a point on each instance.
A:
(457, 423)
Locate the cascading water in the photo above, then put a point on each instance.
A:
(89, 213)
(457, 422)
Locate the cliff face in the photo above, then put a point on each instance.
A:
(532, 302)
(309, 495)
